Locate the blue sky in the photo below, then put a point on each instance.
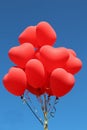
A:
(69, 19)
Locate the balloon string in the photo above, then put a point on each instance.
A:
(45, 113)
(25, 101)
(53, 110)
(41, 102)
(28, 97)
(56, 100)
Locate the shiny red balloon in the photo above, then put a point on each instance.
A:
(20, 55)
(53, 57)
(35, 91)
(73, 64)
(61, 82)
(15, 81)
(71, 51)
(37, 55)
(35, 73)
(45, 34)
(39, 35)
(49, 91)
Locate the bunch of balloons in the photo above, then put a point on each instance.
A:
(41, 68)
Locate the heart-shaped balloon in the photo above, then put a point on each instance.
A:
(61, 82)
(49, 91)
(42, 34)
(29, 36)
(35, 73)
(15, 81)
(73, 64)
(37, 55)
(53, 57)
(45, 34)
(20, 55)
(71, 51)
(35, 91)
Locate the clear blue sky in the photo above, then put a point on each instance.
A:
(69, 19)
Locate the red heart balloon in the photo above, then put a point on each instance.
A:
(29, 36)
(39, 35)
(46, 86)
(45, 34)
(73, 64)
(49, 91)
(61, 82)
(71, 51)
(35, 91)
(35, 73)
(20, 55)
(53, 57)
(37, 55)
(15, 81)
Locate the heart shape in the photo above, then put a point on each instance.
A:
(53, 57)
(73, 64)
(35, 73)
(61, 82)
(45, 34)
(21, 54)
(15, 81)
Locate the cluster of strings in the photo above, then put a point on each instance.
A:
(47, 104)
